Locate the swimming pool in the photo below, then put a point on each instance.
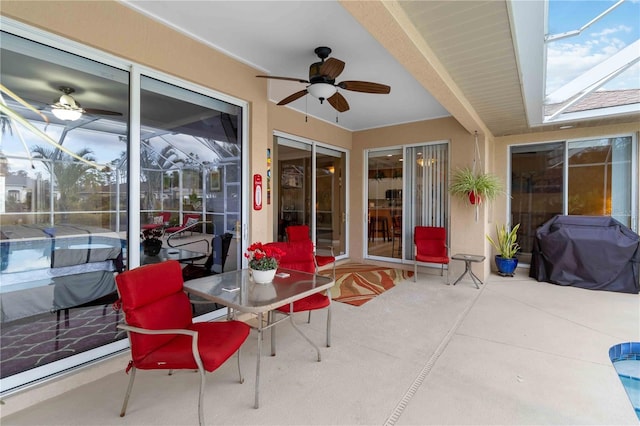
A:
(626, 360)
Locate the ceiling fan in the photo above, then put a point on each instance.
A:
(68, 109)
(322, 82)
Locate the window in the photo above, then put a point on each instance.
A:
(581, 177)
(65, 192)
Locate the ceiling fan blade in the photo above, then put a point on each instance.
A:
(332, 68)
(101, 112)
(299, 80)
(365, 87)
(293, 97)
(338, 102)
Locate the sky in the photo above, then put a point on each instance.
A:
(569, 57)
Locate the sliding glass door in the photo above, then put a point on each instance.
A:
(595, 177)
(420, 171)
(311, 190)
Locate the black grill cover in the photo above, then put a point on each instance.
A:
(594, 252)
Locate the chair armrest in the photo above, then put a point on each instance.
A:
(192, 333)
(162, 331)
(330, 248)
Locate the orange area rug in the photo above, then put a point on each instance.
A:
(356, 284)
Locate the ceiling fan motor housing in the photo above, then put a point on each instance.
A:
(316, 76)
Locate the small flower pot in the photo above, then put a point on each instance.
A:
(474, 198)
(263, 277)
(152, 247)
(506, 267)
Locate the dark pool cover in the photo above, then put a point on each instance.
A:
(594, 252)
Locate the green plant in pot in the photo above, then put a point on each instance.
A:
(507, 246)
(475, 187)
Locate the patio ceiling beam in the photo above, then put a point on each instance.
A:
(388, 23)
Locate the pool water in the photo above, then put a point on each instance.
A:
(626, 360)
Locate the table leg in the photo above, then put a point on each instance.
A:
(257, 397)
(467, 269)
(295, 327)
(474, 278)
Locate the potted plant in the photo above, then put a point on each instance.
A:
(507, 246)
(263, 261)
(475, 187)
(151, 242)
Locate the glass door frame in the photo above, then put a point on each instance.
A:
(409, 218)
(314, 145)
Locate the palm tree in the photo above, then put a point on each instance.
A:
(68, 173)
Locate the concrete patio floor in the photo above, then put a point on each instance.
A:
(514, 352)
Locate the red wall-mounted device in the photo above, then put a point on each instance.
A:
(257, 192)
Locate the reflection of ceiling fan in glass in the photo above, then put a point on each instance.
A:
(68, 109)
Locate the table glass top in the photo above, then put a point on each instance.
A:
(237, 289)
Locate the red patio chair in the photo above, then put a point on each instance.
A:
(161, 332)
(430, 244)
(190, 222)
(158, 221)
(301, 233)
(299, 256)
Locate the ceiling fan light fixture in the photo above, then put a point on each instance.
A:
(321, 91)
(67, 114)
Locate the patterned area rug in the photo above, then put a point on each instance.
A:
(356, 283)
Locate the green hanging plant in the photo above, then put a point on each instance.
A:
(476, 187)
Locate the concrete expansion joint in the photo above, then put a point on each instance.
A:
(413, 388)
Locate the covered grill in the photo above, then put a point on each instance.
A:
(593, 252)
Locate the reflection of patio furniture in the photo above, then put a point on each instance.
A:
(171, 253)
(189, 224)
(214, 263)
(396, 234)
(430, 247)
(161, 332)
(158, 221)
(379, 223)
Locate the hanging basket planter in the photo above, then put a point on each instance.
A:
(474, 198)
(475, 187)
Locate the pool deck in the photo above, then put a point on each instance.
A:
(513, 352)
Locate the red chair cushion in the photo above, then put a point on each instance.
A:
(431, 245)
(217, 341)
(432, 248)
(309, 303)
(432, 259)
(298, 255)
(324, 260)
(298, 233)
(148, 293)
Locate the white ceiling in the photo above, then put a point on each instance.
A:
(279, 37)
(480, 61)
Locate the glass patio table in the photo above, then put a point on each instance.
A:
(238, 291)
(170, 253)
